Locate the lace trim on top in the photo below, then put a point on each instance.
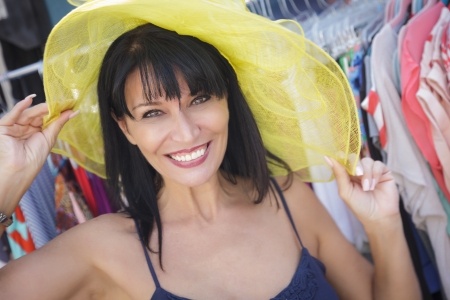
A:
(303, 286)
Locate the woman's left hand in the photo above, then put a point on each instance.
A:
(372, 196)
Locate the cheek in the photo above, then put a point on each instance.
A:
(218, 118)
(149, 138)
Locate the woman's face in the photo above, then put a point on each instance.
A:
(185, 141)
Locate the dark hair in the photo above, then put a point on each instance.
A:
(160, 54)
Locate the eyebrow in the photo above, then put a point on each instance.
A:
(146, 104)
(156, 103)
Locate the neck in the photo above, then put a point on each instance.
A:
(202, 203)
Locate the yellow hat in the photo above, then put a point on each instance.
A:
(299, 96)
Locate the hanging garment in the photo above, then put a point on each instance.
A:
(25, 24)
(103, 202)
(38, 206)
(83, 181)
(416, 33)
(375, 119)
(67, 192)
(433, 95)
(23, 33)
(19, 236)
(65, 215)
(405, 160)
(351, 63)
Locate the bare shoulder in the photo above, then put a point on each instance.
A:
(299, 196)
(96, 240)
(114, 223)
(310, 217)
(92, 253)
(101, 233)
(111, 245)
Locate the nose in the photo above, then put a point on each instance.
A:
(184, 127)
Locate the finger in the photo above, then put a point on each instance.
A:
(366, 179)
(12, 116)
(377, 171)
(37, 122)
(359, 170)
(52, 131)
(342, 178)
(33, 113)
(19, 131)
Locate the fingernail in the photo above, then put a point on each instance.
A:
(366, 185)
(29, 97)
(374, 183)
(328, 160)
(74, 114)
(359, 171)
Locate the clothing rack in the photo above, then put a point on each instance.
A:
(31, 68)
(14, 74)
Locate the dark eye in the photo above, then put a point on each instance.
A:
(152, 113)
(200, 99)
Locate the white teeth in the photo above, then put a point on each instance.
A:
(191, 156)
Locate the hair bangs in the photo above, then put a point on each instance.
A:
(162, 63)
(162, 60)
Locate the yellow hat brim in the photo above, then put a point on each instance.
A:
(298, 94)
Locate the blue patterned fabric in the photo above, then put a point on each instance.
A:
(38, 206)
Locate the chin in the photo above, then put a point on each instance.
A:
(193, 179)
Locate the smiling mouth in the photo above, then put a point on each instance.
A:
(190, 156)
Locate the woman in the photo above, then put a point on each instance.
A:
(204, 215)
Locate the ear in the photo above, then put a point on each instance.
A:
(123, 126)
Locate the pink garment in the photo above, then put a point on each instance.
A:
(445, 51)
(404, 159)
(416, 32)
(433, 92)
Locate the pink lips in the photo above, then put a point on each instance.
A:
(192, 163)
(187, 151)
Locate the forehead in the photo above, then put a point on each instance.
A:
(136, 91)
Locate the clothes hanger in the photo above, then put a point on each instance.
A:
(274, 10)
(322, 3)
(288, 13)
(339, 27)
(304, 17)
(251, 6)
(264, 10)
(254, 7)
(402, 14)
(292, 7)
(389, 12)
(368, 33)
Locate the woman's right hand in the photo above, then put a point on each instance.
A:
(24, 147)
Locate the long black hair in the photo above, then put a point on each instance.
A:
(159, 55)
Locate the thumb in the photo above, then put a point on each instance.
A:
(52, 131)
(342, 177)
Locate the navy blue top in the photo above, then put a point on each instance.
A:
(308, 282)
